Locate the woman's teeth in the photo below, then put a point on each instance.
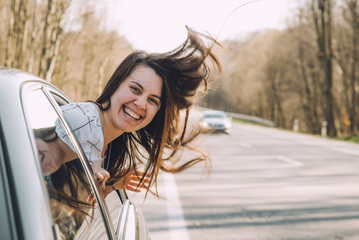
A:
(131, 113)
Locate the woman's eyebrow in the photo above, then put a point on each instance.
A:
(159, 98)
(140, 86)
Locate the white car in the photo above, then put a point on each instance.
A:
(34, 205)
(216, 121)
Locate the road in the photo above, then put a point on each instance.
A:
(265, 184)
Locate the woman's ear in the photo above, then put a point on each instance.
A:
(106, 104)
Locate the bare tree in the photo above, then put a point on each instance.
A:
(52, 34)
(346, 55)
(17, 32)
(352, 18)
(89, 56)
(322, 16)
(26, 48)
(309, 84)
(274, 80)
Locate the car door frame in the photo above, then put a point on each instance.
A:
(48, 90)
(128, 208)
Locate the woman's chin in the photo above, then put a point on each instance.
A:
(48, 170)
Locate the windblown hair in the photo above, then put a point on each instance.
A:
(183, 70)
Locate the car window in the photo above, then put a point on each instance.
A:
(213, 116)
(67, 184)
(114, 201)
(116, 205)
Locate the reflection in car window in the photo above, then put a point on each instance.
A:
(67, 184)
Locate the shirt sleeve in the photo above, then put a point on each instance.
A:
(84, 121)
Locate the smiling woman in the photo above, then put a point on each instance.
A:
(142, 103)
(137, 116)
(134, 104)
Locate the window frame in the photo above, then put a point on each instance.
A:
(49, 92)
(116, 228)
(7, 212)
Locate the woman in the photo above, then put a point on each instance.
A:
(137, 115)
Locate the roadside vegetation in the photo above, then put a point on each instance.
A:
(307, 72)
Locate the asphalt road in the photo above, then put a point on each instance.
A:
(266, 184)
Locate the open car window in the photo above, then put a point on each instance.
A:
(122, 215)
(68, 185)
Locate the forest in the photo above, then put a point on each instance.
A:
(306, 73)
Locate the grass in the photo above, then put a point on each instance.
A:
(352, 138)
(248, 122)
(242, 121)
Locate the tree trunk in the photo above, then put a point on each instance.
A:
(307, 99)
(353, 8)
(322, 17)
(52, 34)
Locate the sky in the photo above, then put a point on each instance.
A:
(159, 25)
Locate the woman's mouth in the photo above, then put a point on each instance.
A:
(131, 113)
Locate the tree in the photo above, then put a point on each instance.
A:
(40, 38)
(322, 17)
(28, 49)
(348, 56)
(52, 35)
(307, 71)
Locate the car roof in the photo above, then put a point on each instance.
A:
(15, 76)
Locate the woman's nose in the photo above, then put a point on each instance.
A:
(141, 102)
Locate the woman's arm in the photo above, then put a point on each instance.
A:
(131, 181)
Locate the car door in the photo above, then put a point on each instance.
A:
(69, 186)
(115, 217)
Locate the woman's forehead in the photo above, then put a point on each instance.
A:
(147, 77)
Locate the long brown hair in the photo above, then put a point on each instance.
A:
(182, 70)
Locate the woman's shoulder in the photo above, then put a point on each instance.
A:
(82, 113)
(84, 121)
(82, 107)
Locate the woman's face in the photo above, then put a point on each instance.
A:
(51, 156)
(136, 101)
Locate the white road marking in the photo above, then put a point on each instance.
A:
(344, 150)
(176, 221)
(289, 160)
(245, 144)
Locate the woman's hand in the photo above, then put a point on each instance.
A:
(131, 181)
(101, 175)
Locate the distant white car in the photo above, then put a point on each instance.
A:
(216, 121)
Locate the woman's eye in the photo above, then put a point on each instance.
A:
(154, 101)
(135, 89)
